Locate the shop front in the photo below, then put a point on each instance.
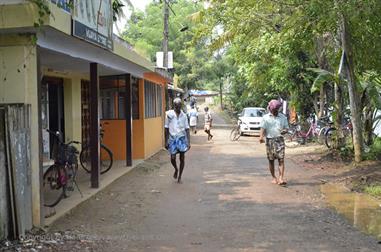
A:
(72, 85)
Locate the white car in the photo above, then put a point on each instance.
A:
(250, 119)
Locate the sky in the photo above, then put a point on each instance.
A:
(138, 4)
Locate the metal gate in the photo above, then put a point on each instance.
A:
(15, 170)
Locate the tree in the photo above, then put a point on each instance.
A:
(192, 63)
(275, 41)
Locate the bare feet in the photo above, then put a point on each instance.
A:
(282, 182)
(179, 181)
(274, 181)
(175, 175)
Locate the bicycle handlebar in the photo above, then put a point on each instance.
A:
(57, 134)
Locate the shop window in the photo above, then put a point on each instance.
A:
(135, 98)
(112, 93)
(108, 103)
(153, 100)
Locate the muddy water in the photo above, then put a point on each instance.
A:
(362, 211)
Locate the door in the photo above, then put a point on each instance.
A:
(52, 109)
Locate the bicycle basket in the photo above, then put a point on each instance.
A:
(58, 152)
(71, 154)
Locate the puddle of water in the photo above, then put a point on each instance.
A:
(363, 211)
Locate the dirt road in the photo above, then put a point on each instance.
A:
(226, 203)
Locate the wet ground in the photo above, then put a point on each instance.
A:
(225, 203)
(361, 210)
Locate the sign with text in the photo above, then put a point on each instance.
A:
(160, 60)
(63, 4)
(92, 21)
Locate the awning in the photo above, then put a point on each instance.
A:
(66, 53)
(202, 92)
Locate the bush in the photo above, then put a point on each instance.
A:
(374, 190)
(374, 152)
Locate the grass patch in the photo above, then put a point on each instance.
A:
(374, 152)
(374, 190)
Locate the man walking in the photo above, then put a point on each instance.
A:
(177, 137)
(193, 118)
(208, 123)
(273, 125)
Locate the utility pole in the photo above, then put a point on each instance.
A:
(165, 33)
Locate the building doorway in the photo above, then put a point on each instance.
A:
(52, 112)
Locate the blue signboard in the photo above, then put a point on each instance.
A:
(63, 4)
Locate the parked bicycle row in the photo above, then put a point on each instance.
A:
(320, 130)
(59, 180)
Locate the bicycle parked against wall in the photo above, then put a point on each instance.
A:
(59, 178)
(106, 155)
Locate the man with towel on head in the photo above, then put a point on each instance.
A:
(273, 126)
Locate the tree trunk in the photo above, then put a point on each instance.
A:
(316, 107)
(338, 116)
(320, 44)
(322, 101)
(368, 125)
(222, 107)
(352, 90)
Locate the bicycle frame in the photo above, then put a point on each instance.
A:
(311, 131)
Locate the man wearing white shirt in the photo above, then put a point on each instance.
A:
(193, 118)
(273, 126)
(177, 136)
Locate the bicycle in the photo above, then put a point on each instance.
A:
(106, 156)
(295, 136)
(235, 133)
(330, 134)
(59, 178)
(324, 123)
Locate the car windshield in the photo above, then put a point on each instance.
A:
(253, 112)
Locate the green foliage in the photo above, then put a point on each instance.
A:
(276, 45)
(43, 11)
(195, 67)
(374, 152)
(374, 190)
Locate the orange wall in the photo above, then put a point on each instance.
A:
(138, 139)
(148, 134)
(153, 128)
(115, 138)
(158, 134)
(154, 77)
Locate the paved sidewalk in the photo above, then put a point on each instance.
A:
(83, 180)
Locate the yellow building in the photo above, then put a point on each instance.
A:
(73, 73)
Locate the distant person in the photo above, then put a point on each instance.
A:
(193, 119)
(273, 126)
(208, 123)
(192, 101)
(177, 137)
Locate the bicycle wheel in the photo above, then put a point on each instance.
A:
(106, 159)
(290, 140)
(321, 135)
(71, 171)
(54, 180)
(85, 159)
(330, 137)
(235, 134)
